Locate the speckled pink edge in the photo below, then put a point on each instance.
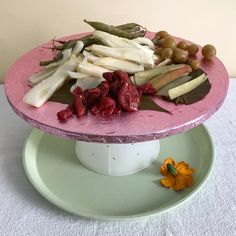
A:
(127, 128)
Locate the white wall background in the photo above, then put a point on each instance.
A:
(25, 24)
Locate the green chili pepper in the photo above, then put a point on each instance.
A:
(116, 30)
(128, 26)
(133, 28)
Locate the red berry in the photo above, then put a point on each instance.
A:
(79, 102)
(95, 109)
(117, 110)
(104, 87)
(147, 89)
(92, 96)
(65, 114)
(78, 91)
(105, 107)
(108, 76)
(115, 87)
(122, 76)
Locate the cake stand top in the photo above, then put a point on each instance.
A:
(125, 128)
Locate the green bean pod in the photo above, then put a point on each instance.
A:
(128, 26)
(130, 34)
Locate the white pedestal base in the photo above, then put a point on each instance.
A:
(117, 159)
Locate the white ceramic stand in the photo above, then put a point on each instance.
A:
(117, 159)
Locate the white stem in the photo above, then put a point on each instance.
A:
(133, 54)
(87, 83)
(92, 70)
(117, 64)
(145, 41)
(77, 75)
(78, 48)
(187, 87)
(90, 56)
(181, 80)
(41, 75)
(39, 94)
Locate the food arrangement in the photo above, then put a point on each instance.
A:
(115, 69)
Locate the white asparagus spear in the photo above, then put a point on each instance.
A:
(92, 70)
(87, 83)
(132, 54)
(77, 75)
(39, 94)
(90, 56)
(118, 42)
(117, 64)
(41, 75)
(187, 87)
(181, 80)
(78, 48)
(111, 40)
(145, 41)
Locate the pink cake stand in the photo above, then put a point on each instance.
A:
(109, 138)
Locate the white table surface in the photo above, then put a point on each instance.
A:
(212, 211)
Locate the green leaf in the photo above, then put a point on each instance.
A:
(195, 95)
(63, 94)
(196, 73)
(147, 103)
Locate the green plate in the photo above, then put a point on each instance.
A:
(53, 168)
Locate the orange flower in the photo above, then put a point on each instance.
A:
(177, 175)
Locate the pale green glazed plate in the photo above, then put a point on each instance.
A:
(54, 170)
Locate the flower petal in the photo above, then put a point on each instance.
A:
(168, 181)
(189, 171)
(181, 165)
(169, 160)
(179, 183)
(188, 180)
(183, 168)
(164, 171)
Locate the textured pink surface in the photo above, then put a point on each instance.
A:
(129, 127)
